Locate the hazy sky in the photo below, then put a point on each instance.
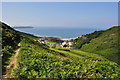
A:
(61, 14)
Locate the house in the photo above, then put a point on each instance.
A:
(42, 40)
(64, 43)
(67, 44)
(70, 43)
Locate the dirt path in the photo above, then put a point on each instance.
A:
(14, 60)
(13, 63)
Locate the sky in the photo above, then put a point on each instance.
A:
(61, 14)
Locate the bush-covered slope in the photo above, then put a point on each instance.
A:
(102, 42)
(40, 61)
(84, 39)
(10, 39)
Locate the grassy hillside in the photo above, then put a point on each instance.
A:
(38, 60)
(102, 42)
(80, 41)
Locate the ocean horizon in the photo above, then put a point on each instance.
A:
(59, 32)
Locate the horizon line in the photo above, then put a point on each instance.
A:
(60, 1)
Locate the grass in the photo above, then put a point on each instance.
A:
(104, 43)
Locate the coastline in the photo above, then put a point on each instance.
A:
(67, 39)
(63, 39)
(56, 32)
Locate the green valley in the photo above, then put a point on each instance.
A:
(37, 60)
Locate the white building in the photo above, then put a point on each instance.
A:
(42, 40)
(70, 43)
(64, 43)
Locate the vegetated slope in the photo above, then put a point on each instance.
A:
(39, 61)
(102, 42)
(84, 39)
(10, 39)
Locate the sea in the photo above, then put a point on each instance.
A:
(59, 32)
